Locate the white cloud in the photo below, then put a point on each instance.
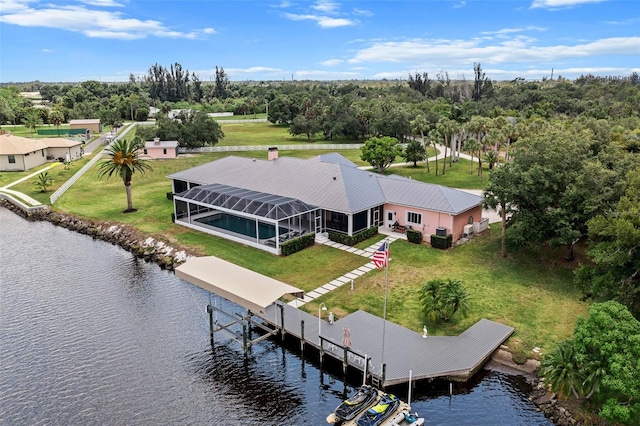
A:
(102, 3)
(515, 50)
(325, 6)
(332, 62)
(92, 23)
(362, 12)
(282, 5)
(460, 5)
(513, 30)
(325, 75)
(323, 21)
(557, 4)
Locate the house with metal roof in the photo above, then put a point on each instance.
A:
(263, 203)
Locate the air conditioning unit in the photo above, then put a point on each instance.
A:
(441, 231)
(468, 230)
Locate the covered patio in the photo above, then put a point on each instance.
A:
(258, 219)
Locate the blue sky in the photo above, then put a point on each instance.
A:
(107, 40)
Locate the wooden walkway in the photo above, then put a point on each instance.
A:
(404, 350)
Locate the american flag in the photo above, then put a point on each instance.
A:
(381, 256)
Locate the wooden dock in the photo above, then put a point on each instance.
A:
(452, 357)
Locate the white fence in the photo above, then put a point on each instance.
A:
(266, 147)
(54, 197)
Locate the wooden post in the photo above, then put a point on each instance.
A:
(210, 311)
(345, 362)
(244, 339)
(282, 330)
(384, 376)
(302, 336)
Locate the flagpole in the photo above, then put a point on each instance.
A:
(384, 309)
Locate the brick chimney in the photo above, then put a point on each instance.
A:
(273, 153)
(156, 141)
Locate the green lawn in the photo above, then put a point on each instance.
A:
(531, 290)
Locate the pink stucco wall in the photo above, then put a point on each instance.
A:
(431, 220)
(158, 152)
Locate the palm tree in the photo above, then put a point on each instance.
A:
(429, 296)
(56, 117)
(421, 125)
(561, 371)
(123, 161)
(32, 120)
(442, 299)
(455, 298)
(43, 182)
(472, 146)
(433, 137)
(414, 152)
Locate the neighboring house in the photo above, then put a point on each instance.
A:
(93, 125)
(174, 113)
(66, 149)
(157, 149)
(262, 203)
(19, 154)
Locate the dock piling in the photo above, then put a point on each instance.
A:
(210, 311)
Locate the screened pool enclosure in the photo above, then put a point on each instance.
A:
(251, 217)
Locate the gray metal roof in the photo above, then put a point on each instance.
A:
(256, 203)
(161, 144)
(331, 186)
(328, 181)
(409, 192)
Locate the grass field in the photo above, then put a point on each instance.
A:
(531, 290)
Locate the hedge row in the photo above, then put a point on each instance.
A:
(347, 240)
(300, 243)
(441, 242)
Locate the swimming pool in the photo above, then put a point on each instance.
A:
(241, 225)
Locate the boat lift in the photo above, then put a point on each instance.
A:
(252, 291)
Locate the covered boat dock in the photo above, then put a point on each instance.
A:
(253, 291)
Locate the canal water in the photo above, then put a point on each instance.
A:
(90, 335)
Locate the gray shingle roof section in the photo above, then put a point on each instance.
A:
(331, 186)
(328, 181)
(409, 192)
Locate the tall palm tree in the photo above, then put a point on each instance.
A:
(123, 161)
(56, 117)
(421, 125)
(472, 146)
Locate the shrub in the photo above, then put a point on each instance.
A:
(352, 240)
(441, 242)
(414, 236)
(297, 244)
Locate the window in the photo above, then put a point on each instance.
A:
(164, 151)
(414, 218)
(12, 159)
(145, 151)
